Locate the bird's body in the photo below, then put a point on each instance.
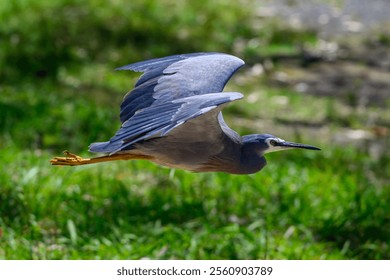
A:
(173, 117)
(182, 148)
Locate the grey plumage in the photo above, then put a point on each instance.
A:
(173, 117)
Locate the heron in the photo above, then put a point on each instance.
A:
(173, 117)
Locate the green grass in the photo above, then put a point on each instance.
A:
(302, 206)
(59, 92)
(111, 32)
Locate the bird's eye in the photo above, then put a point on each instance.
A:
(273, 142)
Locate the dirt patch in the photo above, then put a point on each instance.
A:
(354, 84)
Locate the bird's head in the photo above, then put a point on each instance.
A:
(267, 143)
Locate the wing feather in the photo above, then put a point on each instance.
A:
(149, 124)
(171, 91)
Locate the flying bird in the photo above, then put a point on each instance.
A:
(173, 117)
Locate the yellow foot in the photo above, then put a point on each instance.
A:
(70, 159)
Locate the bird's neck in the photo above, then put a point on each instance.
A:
(251, 160)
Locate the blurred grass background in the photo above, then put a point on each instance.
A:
(58, 91)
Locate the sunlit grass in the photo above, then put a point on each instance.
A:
(301, 206)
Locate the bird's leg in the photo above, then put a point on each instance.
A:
(72, 159)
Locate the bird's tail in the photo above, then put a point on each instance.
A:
(72, 159)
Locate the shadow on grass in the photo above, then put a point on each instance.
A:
(93, 212)
(126, 208)
(359, 235)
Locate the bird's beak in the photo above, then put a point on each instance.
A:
(286, 144)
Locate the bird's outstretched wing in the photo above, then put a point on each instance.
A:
(171, 91)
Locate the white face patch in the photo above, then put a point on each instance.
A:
(271, 144)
